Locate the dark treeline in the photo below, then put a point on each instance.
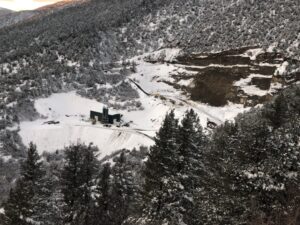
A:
(245, 172)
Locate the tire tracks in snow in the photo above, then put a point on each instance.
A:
(132, 131)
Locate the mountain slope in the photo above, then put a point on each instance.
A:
(164, 80)
(11, 18)
(98, 50)
(16, 17)
(77, 48)
(62, 5)
(4, 11)
(80, 47)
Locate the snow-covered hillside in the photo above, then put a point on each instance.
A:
(164, 80)
(157, 98)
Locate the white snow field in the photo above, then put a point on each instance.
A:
(72, 111)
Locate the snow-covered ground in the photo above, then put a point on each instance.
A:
(245, 85)
(153, 77)
(72, 111)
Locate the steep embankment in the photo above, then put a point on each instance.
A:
(248, 76)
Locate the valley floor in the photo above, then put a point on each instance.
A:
(72, 112)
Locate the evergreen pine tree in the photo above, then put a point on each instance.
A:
(20, 206)
(254, 162)
(70, 181)
(123, 190)
(77, 182)
(277, 111)
(191, 140)
(161, 173)
(47, 206)
(32, 168)
(16, 205)
(103, 215)
(88, 172)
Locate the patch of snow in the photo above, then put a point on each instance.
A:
(13, 128)
(123, 30)
(72, 64)
(212, 65)
(275, 87)
(277, 187)
(253, 90)
(152, 26)
(251, 175)
(186, 83)
(272, 47)
(281, 70)
(11, 104)
(249, 89)
(291, 175)
(6, 158)
(253, 53)
(202, 57)
(269, 64)
(18, 89)
(166, 54)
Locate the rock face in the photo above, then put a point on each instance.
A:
(249, 76)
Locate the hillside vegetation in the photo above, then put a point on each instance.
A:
(245, 172)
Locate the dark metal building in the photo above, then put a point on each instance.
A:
(104, 117)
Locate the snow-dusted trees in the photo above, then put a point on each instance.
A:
(161, 178)
(254, 161)
(26, 199)
(173, 171)
(117, 193)
(102, 209)
(247, 172)
(124, 191)
(192, 143)
(77, 182)
(16, 207)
